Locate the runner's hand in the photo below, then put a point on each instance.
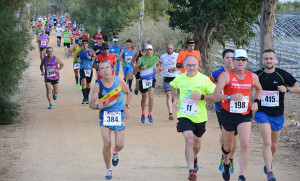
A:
(42, 73)
(126, 112)
(196, 96)
(100, 105)
(155, 69)
(237, 97)
(175, 103)
(56, 70)
(282, 88)
(144, 67)
(254, 107)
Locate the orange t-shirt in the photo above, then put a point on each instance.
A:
(238, 86)
(101, 57)
(185, 53)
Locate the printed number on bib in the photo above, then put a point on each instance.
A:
(43, 42)
(112, 118)
(116, 55)
(51, 73)
(239, 107)
(77, 37)
(147, 83)
(128, 58)
(66, 37)
(270, 98)
(189, 107)
(87, 72)
(76, 65)
(171, 70)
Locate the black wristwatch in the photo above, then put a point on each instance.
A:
(288, 88)
(229, 97)
(202, 97)
(96, 106)
(126, 105)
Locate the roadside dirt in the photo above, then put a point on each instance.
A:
(65, 143)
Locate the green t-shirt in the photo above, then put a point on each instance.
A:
(67, 37)
(38, 32)
(188, 108)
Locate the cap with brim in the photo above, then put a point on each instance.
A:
(149, 47)
(115, 39)
(240, 53)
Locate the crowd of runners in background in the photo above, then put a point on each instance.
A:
(185, 86)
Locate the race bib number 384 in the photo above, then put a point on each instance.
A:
(112, 118)
(189, 107)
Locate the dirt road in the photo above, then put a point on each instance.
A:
(65, 143)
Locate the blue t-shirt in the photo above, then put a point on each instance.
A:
(115, 50)
(85, 63)
(214, 77)
(128, 57)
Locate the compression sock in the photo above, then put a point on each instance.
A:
(84, 93)
(130, 83)
(88, 92)
(76, 79)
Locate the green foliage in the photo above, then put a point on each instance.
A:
(14, 45)
(286, 8)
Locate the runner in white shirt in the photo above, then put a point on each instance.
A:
(168, 66)
(59, 32)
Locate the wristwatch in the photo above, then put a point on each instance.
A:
(127, 106)
(96, 106)
(288, 88)
(229, 97)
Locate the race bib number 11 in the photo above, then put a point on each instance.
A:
(189, 107)
(112, 118)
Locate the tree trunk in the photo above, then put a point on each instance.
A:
(202, 36)
(266, 26)
(141, 22)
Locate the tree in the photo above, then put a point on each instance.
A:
(217, 20)
(267, 25)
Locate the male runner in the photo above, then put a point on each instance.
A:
(87, 56)
(76, 65)
(43, 43)
(116, 49)
(214, 77)
(168, 66)
(236, 85)
(275, 83)
(148, 67)
(67, 41)
(97, 35)
(50, 70)
(77, 35)
(85, 35)
(59, 32)
(110, 92)
(126, 56)
(195, 88)
(98, 48)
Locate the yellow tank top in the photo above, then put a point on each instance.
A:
(78, 48)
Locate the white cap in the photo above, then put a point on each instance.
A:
(115, 39)
(149, 47)
(240, 53)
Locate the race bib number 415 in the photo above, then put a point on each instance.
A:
(189, 107)
(270, 98)
(112, 118)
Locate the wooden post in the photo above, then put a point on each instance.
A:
(141, 22)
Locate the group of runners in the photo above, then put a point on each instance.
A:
(186, 88)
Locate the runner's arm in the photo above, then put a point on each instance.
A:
(156, 68)
(175, 97)
(136, 68)
(42, 68)
(93, 105)
(120, 56)
(134, 59)
(295, 88)
(258, 92)
(61, 65)
(126, 91)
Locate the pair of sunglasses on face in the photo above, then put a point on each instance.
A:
(241, 59)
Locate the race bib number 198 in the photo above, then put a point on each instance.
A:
(239, 107)
(112, 118)
(189, 107)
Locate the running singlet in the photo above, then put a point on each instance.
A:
(112, 98)
(238, 86)
(151, 63)
(127, 56)
(194, 110)
(43, 41)
(85, 63)
(84, 36)
(214, 77)
(75, 61)
(59, 31)
(272, 100)
(169, 63)
(77, 35)
(96, 36)
(50, 66)
(115, 50)
(67, 37)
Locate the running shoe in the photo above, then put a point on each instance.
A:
(270, 176)
(221, 167)
(242, 178)
(54, 95)
(130, 89)
(83, 101)
(225, 173)
(231, 166)
(196, 168)
(80, 88)
(150, 119)
(76, 86)
(171, 117)
(50, 106)
(265, 168)
(87, 101)
(108, 175)
(66, 55)
(192, 176)
(143, 118)
(115, 158)
(136, 92)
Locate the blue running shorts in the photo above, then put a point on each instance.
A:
(276, 122)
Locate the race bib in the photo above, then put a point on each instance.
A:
(117, 56)
(239, 107)
(171, 70)
(270, 98)
(43, 42)
(147, 83)
(54, 21)
(189, 107)
(128, 58)
(77, 37)
(66, 37)
(87, 72)
(112, 118)
(76, 65)
(51, 73)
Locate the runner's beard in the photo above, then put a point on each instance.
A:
(269, 67)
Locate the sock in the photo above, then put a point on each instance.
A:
(84, 93)
(143, 113)
(149, 113)
(88, 92)
(80, 81)
(76, 79)
(231, 160)
(130, 83)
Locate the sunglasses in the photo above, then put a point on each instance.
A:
(241, 58)
(85, 43)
